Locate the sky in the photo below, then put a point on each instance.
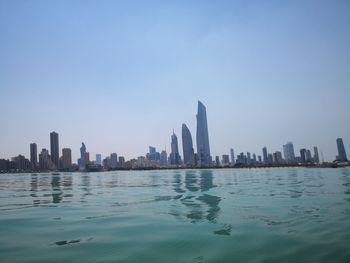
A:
(121, 75)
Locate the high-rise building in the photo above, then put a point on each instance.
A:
(121, 162)
(316, 159)
(54, 147)
(98, 159)
(81, 160)
(66, 158)
(265, 157)
(217, 161)
(114, 160)
(152, 154)
(187, 146)
(341, 150)
(163, 158)
(174, 155)
(87, 158)
(45, 162)
(225, 159)
(254, 158)
(288, 151)
(303, 155)
(203, 149)
(248, 158)
(34, 155)
(232, 153)
(308, 156)
(277, 157)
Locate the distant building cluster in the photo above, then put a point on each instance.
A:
(52, 161)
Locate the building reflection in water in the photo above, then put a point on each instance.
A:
(346, 183)
(85, 187)
(199, 206)
(56, 189)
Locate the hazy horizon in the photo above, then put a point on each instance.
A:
(120, 76)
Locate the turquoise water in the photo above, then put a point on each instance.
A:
(226, 215)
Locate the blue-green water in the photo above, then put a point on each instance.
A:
(227, 215)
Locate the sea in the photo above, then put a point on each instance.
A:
(204, 215)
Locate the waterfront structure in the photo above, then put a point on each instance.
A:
(254, 158)
(217, 161)
(21, 163)
(174, 155)
(34, 155)
(54, 148)
(270, 158)
(225, 159)
(232, 153)
(121, 162)
(45, 162)
(316, 159)
(341, 150)
(308, 156)
(203, 149)
(114, 160)
(277, 157)
(81, 160)
(66, 158)
(152, 154)
(265, 157)
(248, 158)
(187, 146)
(288, 151)
(303, 155)
(98, 159)
(163, 158)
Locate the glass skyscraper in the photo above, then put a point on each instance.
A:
(203, 149)
(187, 146)
(174, 156)
(341, 150)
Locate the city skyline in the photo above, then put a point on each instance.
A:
(153, 159)
(120, 76)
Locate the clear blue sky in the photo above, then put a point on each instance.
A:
(120, 75)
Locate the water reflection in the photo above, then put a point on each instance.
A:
(346, 182)
(56, 189)
(198, 206)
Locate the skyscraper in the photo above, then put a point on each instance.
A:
(114, 160)
(316, 159)
(303, 155)
(163, 158)
(98, 159)
(54, 149)
(341, 150)
(232, 153)
(203, 149)
(34, 155)
(187, 145)
(265, 158)
(81, 160)
(288, 151)
(66, 158)
(174, 155)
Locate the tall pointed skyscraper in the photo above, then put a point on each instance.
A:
(54, 147)
(187, 146)
(203, 149)
(174, 156)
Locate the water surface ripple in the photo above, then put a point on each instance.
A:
(226, 215)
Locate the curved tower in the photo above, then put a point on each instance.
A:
(187, 145)
(203, 149)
